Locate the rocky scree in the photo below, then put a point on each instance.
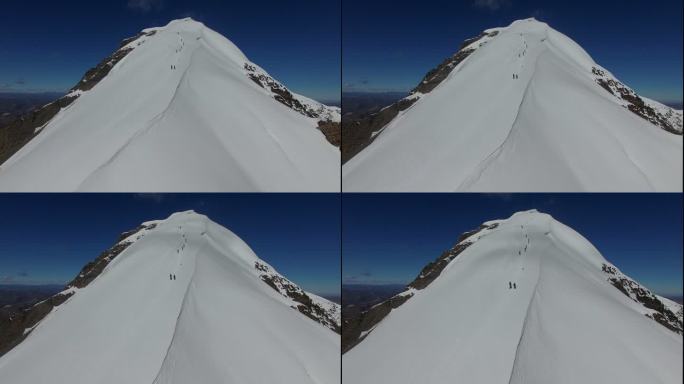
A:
(661, 313)
(327, 126)
(305, 304)
(668, 120)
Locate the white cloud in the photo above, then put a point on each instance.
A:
(491, 4)
(146, 5)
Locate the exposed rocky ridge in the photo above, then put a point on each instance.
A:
(327, 123)
(93, 269)
(357, 325)
(439, 73)
(17, 133)
(280, 93)
(661, 313)
(359, 133)
(305, 305)
(20, 131)
(434, 268)
(16, 322)
(664, 117)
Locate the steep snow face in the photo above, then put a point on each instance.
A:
(561, 320)
(180, 112)
(215, 322)
(526, 110)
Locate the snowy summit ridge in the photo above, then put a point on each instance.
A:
(523, 300)
(177, 108)
(520, 108)
(177, 300)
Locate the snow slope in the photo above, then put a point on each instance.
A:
(553, 128)
(217, 322)
(565, 322)
(179, 113)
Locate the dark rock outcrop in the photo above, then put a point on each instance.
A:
(434, 268)
(436, 75)
(280, 93)
(330, 129)
(357, 133)
(20, 131)
(305, 304)
(17, 322)
(354, 326)
(332, 132)
(663, 315)
(636, 104)
(93, 269)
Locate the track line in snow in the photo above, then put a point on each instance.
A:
(150, 124)
(277, 142)
(535, 292)
(479, 169)
(180, 311)
(621, 146)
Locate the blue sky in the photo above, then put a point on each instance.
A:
(47, 238)
(48, 45)
(390, 47)
(387, 239)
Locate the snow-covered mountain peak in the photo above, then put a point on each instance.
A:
(190, 214)
(517, 301)
(527, 213)
(531, 216)
(185, 21)
(562, 123)
(529, 22)
(169, 289)
(163, 112)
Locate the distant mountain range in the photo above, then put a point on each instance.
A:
(26, 294)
